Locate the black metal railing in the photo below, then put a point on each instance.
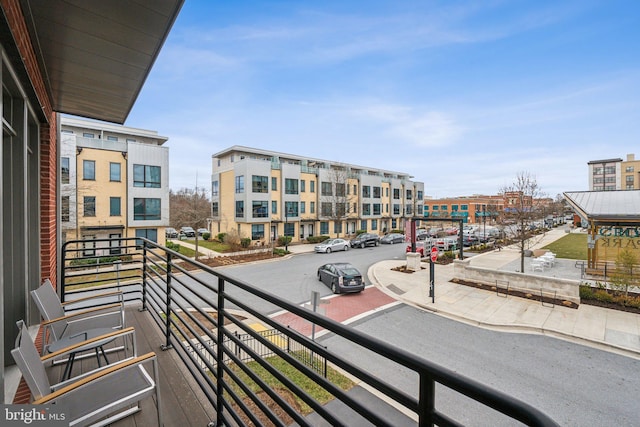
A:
(209, 319)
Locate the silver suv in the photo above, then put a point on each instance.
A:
(365, 239)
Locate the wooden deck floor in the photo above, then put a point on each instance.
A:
(182, 402)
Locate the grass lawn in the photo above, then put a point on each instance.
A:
(209, 244)
(314, 390)
(571, 246)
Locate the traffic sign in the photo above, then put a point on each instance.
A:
(434, 254)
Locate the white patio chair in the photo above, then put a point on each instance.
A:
(537, 265)
(98, 398)
(58, 324)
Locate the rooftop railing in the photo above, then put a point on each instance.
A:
(253, 369)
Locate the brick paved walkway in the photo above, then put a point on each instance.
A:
(339, 308)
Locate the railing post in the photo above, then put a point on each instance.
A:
(426, 406)
(220, 355)
(144, 278)
(167, 310)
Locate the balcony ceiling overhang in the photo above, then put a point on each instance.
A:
(95, 55)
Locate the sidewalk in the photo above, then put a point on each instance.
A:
(608, 329)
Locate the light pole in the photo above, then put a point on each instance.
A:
(286, 223)
(484, 223)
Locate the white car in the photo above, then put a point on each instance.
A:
(332, 245)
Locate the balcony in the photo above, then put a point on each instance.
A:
(225, 361)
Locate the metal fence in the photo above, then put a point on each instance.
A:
(196, 308)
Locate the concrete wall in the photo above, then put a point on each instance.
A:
(566, 289)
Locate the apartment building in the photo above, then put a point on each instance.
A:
(614, 174)
(114, 183)
(265, 194)
(476, 209)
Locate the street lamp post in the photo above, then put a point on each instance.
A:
(286, 222)
(484, 223)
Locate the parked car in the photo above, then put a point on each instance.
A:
(392, 238)
(419, 248)
(332, 245)
(341, 277)
(170, 233)
(201, 231)
(365, 239)
(188, 231)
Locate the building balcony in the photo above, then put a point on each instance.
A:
(225, 361)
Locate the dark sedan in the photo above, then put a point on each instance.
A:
(341, 277)
(392, 238)
(365, 239)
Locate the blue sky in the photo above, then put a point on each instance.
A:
(463, 95)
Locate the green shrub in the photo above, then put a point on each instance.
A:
(245, 242)
(220, 237)
(586, 292)
(173, 246)
(284, 240)
(101, 260)
(280, 252)
(317, 239)
(603, 296)
(359, 232)
(206, 236)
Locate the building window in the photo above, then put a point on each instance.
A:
(259, 209)
(64, 170)
(409, 210)
(366, 209)
(131, 140)
(396, 193)
(148, 233)
(303, 185)
(274, 207)
(376, 192)
(146, 209)
(114, 244)
(112, 138)
(629, 179)
(355, 208)
(409, 194)
(114, 206)
(464, 207)
(340, 189)
(215, 188)
(444, 207)
(146, 176)
(376, 209)
(114, 172)
(291, 209)
(257, 231)
(337, 227)
(374, 224)
(239, 209)
(312, 207)
(259, 184)
(289, 229)
(326, 189)
(89, 206)
(239, 184)
(88, 245)
(291, 186)
(326, 209)
(274, 184)
(455, 207)
(419, 195)
(341, 209)
(89, 170)
(65, 209)
(324, 228)
(88, 135)
(396, 209)
(302, 207)
(312, 186)
(215, 209)
(366, 191)
(363, 225)
(629, 169)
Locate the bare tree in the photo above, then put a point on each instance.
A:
(521, 199)
(337, 201)
(189, 207)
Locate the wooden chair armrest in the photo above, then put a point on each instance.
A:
(72, 348)
(81, 313)
(90, 297)
(108, 370)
